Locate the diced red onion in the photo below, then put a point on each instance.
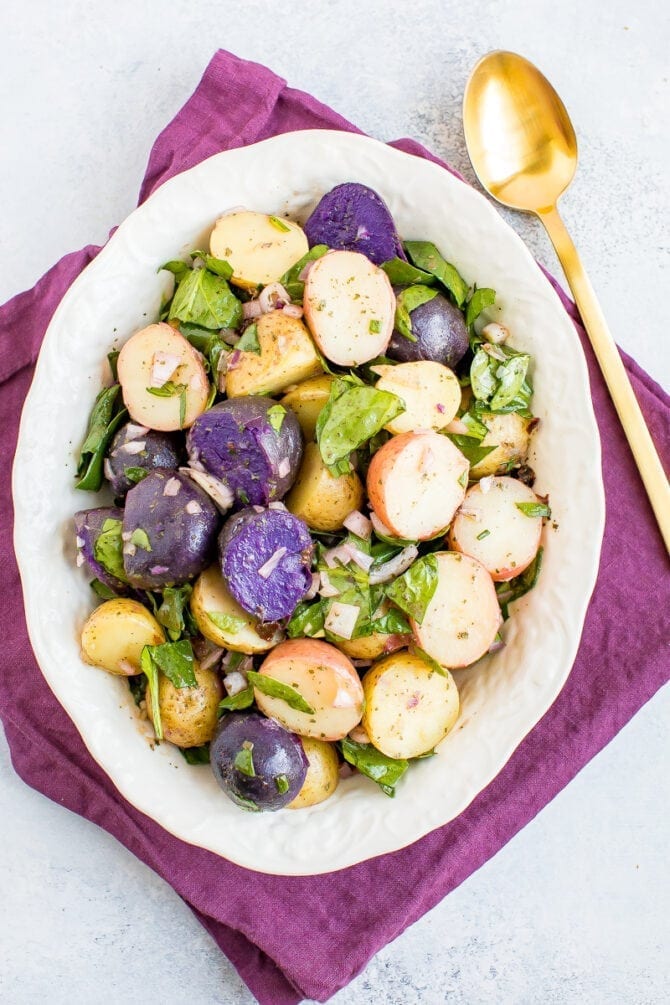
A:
(335, 556)
(440, 407)
(215, 489)
(343, 699)
(276, 505)
(158, 570)
(494, 352)
(485, 484)
(341, 619)
(496, 645)
(234, 359)
(134, 432)
(273, 561)
(79, 541)
(359, 557)
(345, 770)
(129, 549)
(395, 642)
(283, 467)
(163, 365)
(533, 424)
(257, 509)
(304, 272)
(326, 588)
(361, 664)
(211, 659)
(80, 560)
(358, 524)
(193, 507)
(359, 735)
(252, 309)
(457, 426)
(380, 527)
(203, 650)
(495, 333)
(107, 469)
(128, 667)
(172, 487)
(272, 297)
(292, 310)
(314, 588)
(126, 535)
(395, 566)
(134, 447)
(234, 683)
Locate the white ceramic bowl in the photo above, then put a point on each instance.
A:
(502, 696)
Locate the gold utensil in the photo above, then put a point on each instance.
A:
(524, 151)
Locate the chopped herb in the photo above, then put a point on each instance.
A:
(230, 624)
(205, 299)
(175, 660)
(246, 804)
(484, 533)
(173, 612)
(479, 300)
(463, 479)
(385, 771)
(237, 702)
(281, 781)
(425, 256)
(167, 390)
(406, 302)
(196, 755)
(102, 590)
(375, 327)
(135, 475)
(277, 689)
(150, 670)
(306, 620)
(534, 509)
(276, 416)
(244, 761)
(429, 661)
(413, 591)
(279, 224)
(249, 340)
(140, 539)
(108, 549)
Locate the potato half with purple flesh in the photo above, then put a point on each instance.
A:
(440, 331)
(169, 530)
(253, 445)
(90, 525)
(353, 217)
(258, 764)
(266, 560)
(138, 449)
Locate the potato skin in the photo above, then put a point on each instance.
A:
(323, 774)
(115, 635)
(440, 331)
(287, 356)
(189, 714)
(367, 647)
(320, 499)
(307, 400)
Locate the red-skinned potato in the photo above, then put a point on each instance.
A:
(416, 482)
(325, 678)
(153, 357)
(431, 394)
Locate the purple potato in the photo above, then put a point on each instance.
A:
(89, 524)
(137, 447)
(352, 217)
(236, 442)
(441, 332)
(169, 530)
(265, 560)
(257, 763)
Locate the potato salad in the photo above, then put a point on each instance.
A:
(317, 502)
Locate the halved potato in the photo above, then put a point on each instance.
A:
(287, 357)
(189, 715)
(409, 707)
(307, 401)
(258, 247)
(319, 498)
(430, 391)
(116, 633)
(158, 357)
(323, 774)
(236, 629)
(509, 434)
(367, 647)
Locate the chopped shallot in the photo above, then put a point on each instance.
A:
(129, 549)
(314, 588)
(292, 310)
(272, 297)
(276, 505)
(358, 735)
(359, 557)
(234, 683)
(215, 489)
(485, 484)
(283, 467)
(158, 570)
(305, 271)
(134, 446)
(193, 507)
(380, 527)
(395, 566)
(252, 309)
(457, 426)
(80, 560)
(358, 524)
(163, 366)
(134, 432)
(107, 469)
(326, 589)
(337, 556)
(343, 699)
(496, 645)
(172, 487)
(273, 561)
(341, 619)
(128, 667)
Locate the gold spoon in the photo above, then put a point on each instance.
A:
(524, 151)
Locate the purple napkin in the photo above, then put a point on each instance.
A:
(291, 938)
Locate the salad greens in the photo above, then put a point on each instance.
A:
(413, 591)
(352, 415)
(102, 424)
(204, 298)
(407, 301)
(108, 549)
(385, 771)
(426, 257)
(277, 689)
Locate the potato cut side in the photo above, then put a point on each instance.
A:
(116, 633)
(320, 499)
(287, 357)
(307, 401)
(416, 482)
(189, 715)
(323, 774)
(409, 707)
(510, 437)
(325, 678)
(430, 391)
(231, 626)
(491, 528)
(259, 248)
(463, 617)
(160, 357)
(367, 647)
(350, 307)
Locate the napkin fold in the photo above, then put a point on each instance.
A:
(296, 937)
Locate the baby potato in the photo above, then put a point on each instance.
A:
(189, 714)
(409, 707)
(115, 635)
(320, 499)
(259, 248)
(287, 356)
(236, 629)
(430, 391)
(307, 401)
(508, 433)
(367, 647)
(323, 774)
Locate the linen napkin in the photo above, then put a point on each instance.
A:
(295, 937)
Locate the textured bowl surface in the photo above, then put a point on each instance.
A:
(502, 696)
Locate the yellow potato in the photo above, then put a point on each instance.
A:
(409, 707)
(430, 392)
(323, 774)
(287, 356)
(259, 248)
(307, 401)
(236, 629)
(509, 434)
(367, 647)
(189, 714)
(320, 499)
(116, 633)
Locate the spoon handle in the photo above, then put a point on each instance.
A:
(616, 378)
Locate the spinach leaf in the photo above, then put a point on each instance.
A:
(476, 429)
(219, 266)
(425, 256)
(230, 623)
(501, 385)
(173, 613)
(306, 620)
(244, 760)
(108, 549)
(470, 447)
(150, 670)
(407, 301)
(385, 771)
(428, 660)
(102, 590)
(282, 783)
(276, 416)
(481, 298)
(112, 359)
(249, 340)
(401, 273)
(277, 689)
(413, 591)
(196, 755)
(176, 267)
(519, 586)
(534, 509)
(135, 475)
(392, 623)
(350, 417)
(102, 425)
(205, 299)
(175, 660)
(294, 286)
(511, 375)
(237, 702)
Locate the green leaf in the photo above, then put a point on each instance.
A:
(534, 509)
(135, 475)
(140, 539)
(246, 804)
(108, 549)
(470, 447)
(407, 301)
(219, 266)
(511, 375)
(244, 761)
(351, 416)
(175, 660)
(196, 755)
(413, 591)
(480, 299)
(281, 781)
(112, 359)
(239, 701)
(167, 390)
(102, 590)
(276, 416)
(391, 623)
(296, 287)
(375, 326)
(277, 689)
(306, 620)
(401, 273)
(205, 299)
(425, 256)
(102, 425)
(482, 375)
(230, 623)
(150, 670)
(475, 428)
(385, 771)
(515, 588)
(429, 661)
(173, 606)
(176, 267)
(279, 224)
(249, 340)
